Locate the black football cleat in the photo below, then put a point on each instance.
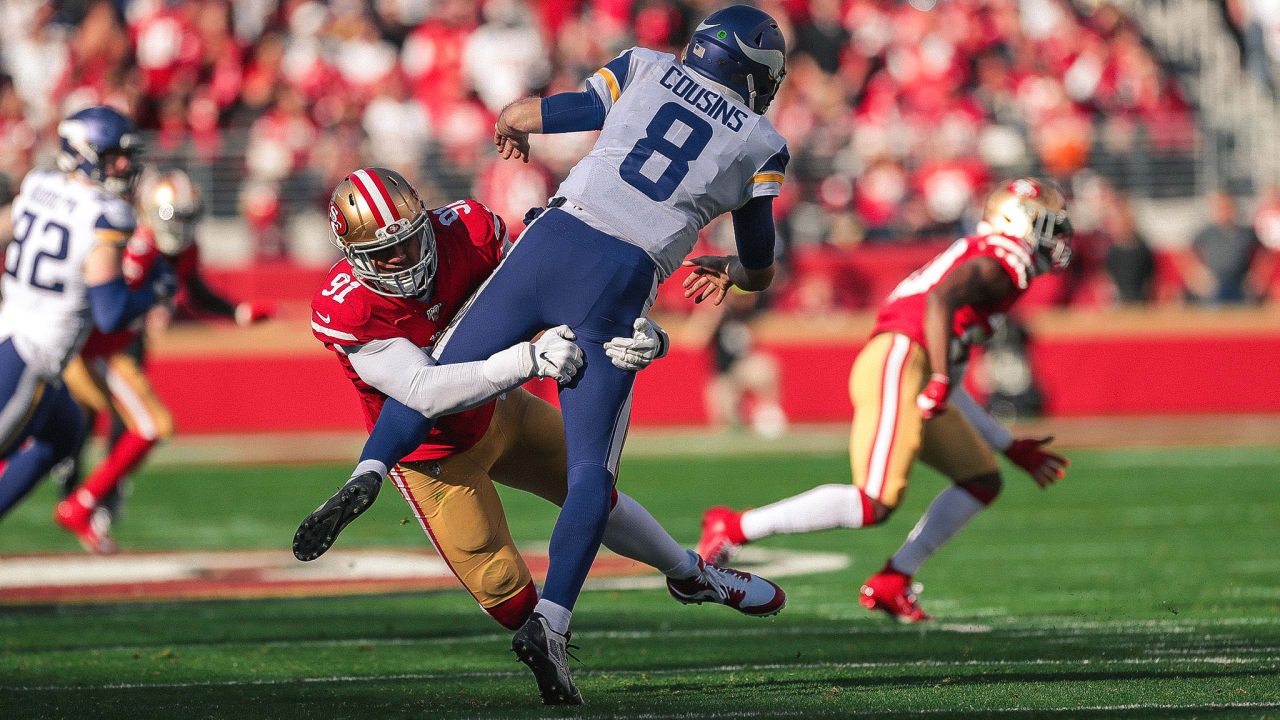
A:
(546, 652)
(316, 534)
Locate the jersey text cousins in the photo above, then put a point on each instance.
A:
(705, 100)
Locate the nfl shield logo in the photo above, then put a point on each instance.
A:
(433, 312)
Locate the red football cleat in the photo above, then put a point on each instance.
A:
(74, 517)
(721, 535)
(895, 594)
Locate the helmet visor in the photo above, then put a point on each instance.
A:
(1053, 234)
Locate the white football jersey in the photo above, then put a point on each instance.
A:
(676, 151)
(45, 305)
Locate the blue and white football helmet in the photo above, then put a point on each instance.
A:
(104, 146)
(741, 48)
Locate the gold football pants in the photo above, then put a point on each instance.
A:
(117, 384)
(888, 431)
(455, 501)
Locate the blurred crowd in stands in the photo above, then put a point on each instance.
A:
(1256, 24)
(899, 115)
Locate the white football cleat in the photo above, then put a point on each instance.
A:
(745, 592)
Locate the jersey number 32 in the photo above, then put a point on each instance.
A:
(52, 231)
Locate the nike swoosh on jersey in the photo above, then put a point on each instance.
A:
(322, 317)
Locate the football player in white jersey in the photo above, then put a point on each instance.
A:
(62, 273)
(681, 142)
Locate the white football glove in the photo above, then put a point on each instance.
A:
(555, 355)
(647, 343)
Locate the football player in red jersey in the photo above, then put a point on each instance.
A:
(107, 376)
(901, 387)
(407, 272)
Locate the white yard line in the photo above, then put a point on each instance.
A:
(934, 711)
(1056, 628)
(712, 669)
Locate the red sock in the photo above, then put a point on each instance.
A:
(512, 612)
(125, 455)
(733, 528)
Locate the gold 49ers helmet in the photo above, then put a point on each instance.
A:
(169, 203)
(1035, 211)
(382, 227)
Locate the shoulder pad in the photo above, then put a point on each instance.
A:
(645, 55)
(341, 310)
(116, 215)
(1013, 256)
(472, 218)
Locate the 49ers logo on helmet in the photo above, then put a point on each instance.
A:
(1024, 188)
(337, 219)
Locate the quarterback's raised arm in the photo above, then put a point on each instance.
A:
(976, 281)
(559, 113)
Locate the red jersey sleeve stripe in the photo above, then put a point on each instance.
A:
(360, 179)
(382, 189)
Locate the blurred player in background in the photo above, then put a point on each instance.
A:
(680, 144)
(62, 278)
(901, 386)
(746, 389)
(408, 272)
(108, 376)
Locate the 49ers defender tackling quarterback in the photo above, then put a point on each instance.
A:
(901, 386)
(407, 272)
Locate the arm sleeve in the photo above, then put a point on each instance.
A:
(610, 80)
(113, 307)
(404, 372)
(996, 434)
(204, 298)
(753, 230)
(572, 112)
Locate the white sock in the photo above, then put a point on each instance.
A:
(633, 533)
(822, 508)
(951, 510)
(557, 615)
(374, 465)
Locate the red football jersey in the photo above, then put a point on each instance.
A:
(140, 254)
(903, 311)
(469, 244)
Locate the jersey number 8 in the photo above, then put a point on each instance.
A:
(678, 156)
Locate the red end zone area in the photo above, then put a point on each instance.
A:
(277, 378)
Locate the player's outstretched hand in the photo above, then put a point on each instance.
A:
(511, 143)
(709, 279)
(933, 399)
(647, 343)
(556, 355)
(1043, 466)
(248, 313)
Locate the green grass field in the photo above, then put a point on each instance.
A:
(1146, 585)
